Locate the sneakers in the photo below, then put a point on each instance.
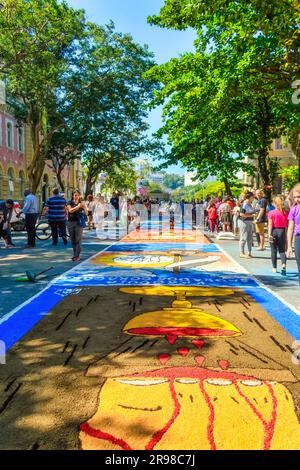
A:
(274, 270)
(260, 249)
(243, 255)
(76, 259)
(283, 271)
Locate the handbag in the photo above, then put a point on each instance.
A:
(82, 219)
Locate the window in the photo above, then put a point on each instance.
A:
(9, 135)
(21, 139)
(11, 185)
(278, 144)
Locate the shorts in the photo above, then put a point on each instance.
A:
(260, 228)
(225, 218)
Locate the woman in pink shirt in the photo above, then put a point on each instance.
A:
(277, 226)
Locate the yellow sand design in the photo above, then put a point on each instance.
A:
(188, 319)
(134, 410)
(172, 291)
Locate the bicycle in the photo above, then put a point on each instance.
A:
(43, 230)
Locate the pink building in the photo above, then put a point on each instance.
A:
(12, 153)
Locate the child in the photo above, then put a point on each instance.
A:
(277, 225)
(212, 217)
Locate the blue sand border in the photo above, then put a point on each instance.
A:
(24, 319)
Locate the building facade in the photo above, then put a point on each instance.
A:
(282, 151)
(16, 152)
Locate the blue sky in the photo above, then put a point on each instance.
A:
(130, 16)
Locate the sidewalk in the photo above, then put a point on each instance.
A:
(16, 261)
(287, 287)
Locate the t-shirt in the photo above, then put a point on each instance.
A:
(74, 216)
(212, 213)
(262, 204)
(279, 219)
(224, 208)
(247, 209)
(56, 208)
(295, 216)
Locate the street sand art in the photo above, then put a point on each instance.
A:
(177, 359)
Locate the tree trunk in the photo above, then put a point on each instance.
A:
(227, 187)
(263, 154)
(59, 179)
(36, 167)
(89, 186)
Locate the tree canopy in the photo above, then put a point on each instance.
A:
(79, 86)
(232, 97)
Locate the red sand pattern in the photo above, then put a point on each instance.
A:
(177, 331)
(201, 374)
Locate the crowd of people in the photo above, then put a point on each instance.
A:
(251, 213)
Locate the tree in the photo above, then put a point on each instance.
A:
(239, 22)
(121, 178)
(105, 100)
(198, 116)
(290, 176)
(173, 181)
(37, 44)
(231, 97)
(265, 39)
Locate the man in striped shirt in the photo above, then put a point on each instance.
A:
(56, 207)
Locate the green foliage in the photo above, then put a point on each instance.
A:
(290, 176)
(121, 178)
(238, 22)
(173, 181)
(107, 97)
(232, 97)
(212, 188)
(155, 187)
(37, 43)
(81, 85)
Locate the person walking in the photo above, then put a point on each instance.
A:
(77, 212)
(4, 224)
(277, 226)
(91, 208)
(212, 217)
(261, 218)
(115, 203)
(7, 209)
(31, 211)
(225, 214)
(236, 218)
(246, 226)
(294, 227)
(100, 209)
(56, 207)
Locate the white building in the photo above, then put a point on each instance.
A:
(190, 175)
(156, 178)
